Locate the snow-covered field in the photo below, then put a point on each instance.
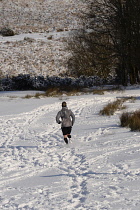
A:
(99, 169)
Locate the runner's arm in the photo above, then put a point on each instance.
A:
(73, 118)
(58, 117)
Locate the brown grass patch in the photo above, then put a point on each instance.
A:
(56, 92)
(53, 92)
(111, 108)
(98, 92)
(28, 96)
(131, 120)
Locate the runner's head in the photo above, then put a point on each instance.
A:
(64, 104)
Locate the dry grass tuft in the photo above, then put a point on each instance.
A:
(28, 96)
(124, 119)
(37, 95)
(131, 120)
(53, 92)
(66, 90)
(99, 92)
(56, 92)
(111, 108)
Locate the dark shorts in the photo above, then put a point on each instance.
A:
(66, 130)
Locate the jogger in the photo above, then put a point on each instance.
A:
(67, 121)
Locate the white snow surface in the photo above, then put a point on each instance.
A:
(98, 169)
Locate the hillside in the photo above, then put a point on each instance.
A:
(30, 16)
(53, 19)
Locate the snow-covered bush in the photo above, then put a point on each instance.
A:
(26, 82)
(39, 83)
(22, 82)
(6, 84)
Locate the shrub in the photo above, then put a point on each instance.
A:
(7, 32)
(28, 39)
(131, 120)
(22, 82)
(60, 30)
(125, 119)
(50, 37)
(27, 82)
(135, 121)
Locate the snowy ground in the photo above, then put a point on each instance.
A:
(99, 169)
(34, 54)
(40, 20)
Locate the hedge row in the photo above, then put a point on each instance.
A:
(26, 82)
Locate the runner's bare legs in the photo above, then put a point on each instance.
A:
(67, 136)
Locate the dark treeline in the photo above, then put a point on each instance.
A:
(26, 82)
(109, 42)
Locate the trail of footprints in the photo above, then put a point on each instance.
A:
(49, 152)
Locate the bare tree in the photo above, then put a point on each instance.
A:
(125, 25)
(110, 39)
